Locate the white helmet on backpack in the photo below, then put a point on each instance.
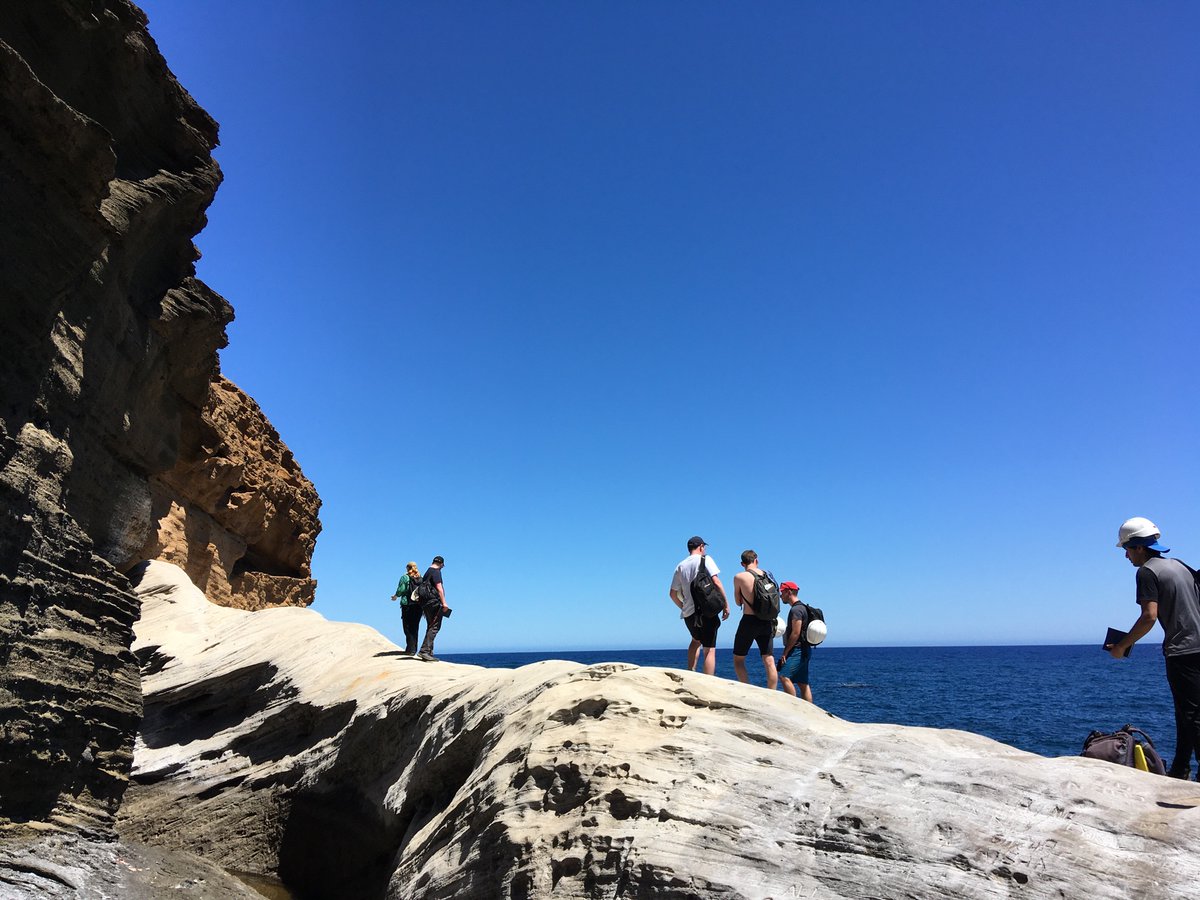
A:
(1137, 527)
(816, 632)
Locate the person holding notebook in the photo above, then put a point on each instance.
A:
(1168, 594)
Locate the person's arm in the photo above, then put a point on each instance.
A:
(724, 596)
(792, 637)
(737, 586)
(676, 598)
(442, 595)
(400, 585)
(1140, 629)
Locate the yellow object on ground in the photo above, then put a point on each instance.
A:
(1139, 758)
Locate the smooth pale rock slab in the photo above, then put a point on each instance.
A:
(278, 742)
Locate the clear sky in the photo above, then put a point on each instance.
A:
(901, 295)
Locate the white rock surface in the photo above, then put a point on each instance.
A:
(278, 742)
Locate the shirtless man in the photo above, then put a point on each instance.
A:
(752, 629)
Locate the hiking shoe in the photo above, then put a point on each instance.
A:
(427, 656)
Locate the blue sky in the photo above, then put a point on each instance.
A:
(902, 296)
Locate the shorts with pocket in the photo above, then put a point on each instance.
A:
(703, 629)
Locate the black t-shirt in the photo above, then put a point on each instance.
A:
(433, 575)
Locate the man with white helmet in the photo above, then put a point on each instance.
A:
(1167, 593)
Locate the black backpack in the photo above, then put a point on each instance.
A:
(706, 596)
(1118, 747)
(810, 613)
(766, 596)
(427, 591)
(414, 591)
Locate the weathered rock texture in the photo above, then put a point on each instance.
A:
(236, 513)
(108, 354)
(278, 742)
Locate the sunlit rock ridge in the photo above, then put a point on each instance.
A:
(278, 742)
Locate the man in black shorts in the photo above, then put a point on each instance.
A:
(752, 629)
(703, 629)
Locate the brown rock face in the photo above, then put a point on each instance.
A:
(236, 513)
(108, 354)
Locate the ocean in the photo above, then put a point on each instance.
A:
(1045, 699)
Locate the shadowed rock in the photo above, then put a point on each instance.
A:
(108, 374)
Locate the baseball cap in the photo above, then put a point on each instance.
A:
(694, 542)
(1150, 543)
(790, 586)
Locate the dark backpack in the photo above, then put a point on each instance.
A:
(427, 591)
(766, 596)
(810, 613)
(706, 596)
(413, 592)
(1118, 747)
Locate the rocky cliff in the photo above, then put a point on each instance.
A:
(236, 513)
(278, 742)
(111, 404)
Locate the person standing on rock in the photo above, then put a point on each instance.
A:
(793, 665)
(433, 606)
(1168, 594)
(703, 629)
(752, 629)
(410, 609)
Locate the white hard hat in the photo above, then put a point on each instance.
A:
(780, 626)
(816, 632)
(1137, 527)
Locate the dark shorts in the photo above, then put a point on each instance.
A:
(706, 631)
(754, 630)
(795, 667)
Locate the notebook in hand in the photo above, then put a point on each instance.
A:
(1112, 637)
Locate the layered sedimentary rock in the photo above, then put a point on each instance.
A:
(108, 355)
(278, 742)
(236, 513)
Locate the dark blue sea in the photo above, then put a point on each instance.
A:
(1042, 699)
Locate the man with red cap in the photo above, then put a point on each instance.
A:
(793, 665)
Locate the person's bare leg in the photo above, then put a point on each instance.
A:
(772, 675)
(787, 685)
(739, 669)
(693, 652)
(710, 660)
(806, 693)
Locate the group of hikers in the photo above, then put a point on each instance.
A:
(1168, 592)
(422, 597)
(703, 604)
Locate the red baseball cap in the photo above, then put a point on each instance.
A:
(789, 586)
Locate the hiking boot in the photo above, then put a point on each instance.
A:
(427, 656)
(1182, 773)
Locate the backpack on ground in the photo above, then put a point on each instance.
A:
(811, 614)
(706, 596)
(766, 596)
(1124, 748)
